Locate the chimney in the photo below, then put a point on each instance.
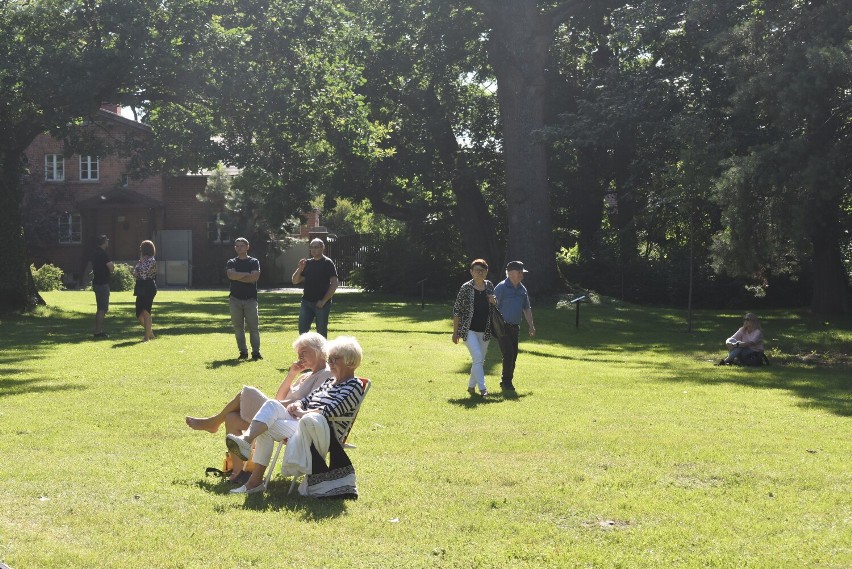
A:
(111, 107)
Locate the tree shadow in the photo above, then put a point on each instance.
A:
(830, 391)
(9, 387)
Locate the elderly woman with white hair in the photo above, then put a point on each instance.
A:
(307, 373)
(338, 396)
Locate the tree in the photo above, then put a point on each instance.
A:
(62, 60)
(784, 187)
(427, 78)
(521, 33)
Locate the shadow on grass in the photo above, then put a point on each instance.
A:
(10, 387)
(830, 390)
(276, 499)
(472, 402)
(230, 362)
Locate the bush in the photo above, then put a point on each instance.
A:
(122, 278)
(46, 278)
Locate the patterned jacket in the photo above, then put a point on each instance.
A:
(463, 308)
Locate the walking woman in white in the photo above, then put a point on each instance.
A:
(338, 396)
(472, 322)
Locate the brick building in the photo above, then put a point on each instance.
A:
(69, 200)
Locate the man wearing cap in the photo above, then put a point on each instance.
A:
(513, 301)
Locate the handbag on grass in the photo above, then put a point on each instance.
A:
(498, 325)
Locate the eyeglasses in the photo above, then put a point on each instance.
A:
(479, 270)
(317, 246)
(334, 359)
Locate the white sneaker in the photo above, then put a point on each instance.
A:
(239, 446)
(243, 490)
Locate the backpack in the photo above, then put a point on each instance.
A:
(754, 359)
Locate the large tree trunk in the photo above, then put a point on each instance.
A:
(17, 291)
(830, 283)
(518, 49)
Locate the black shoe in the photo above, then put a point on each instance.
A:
(256, 356)
(507, 386)
(243, 356)
(100, 336)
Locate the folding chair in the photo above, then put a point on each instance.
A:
(349, 420)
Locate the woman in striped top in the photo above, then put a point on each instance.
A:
(338, 396)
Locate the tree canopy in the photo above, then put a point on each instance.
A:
(623, 140)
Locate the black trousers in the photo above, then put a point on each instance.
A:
(509, 349)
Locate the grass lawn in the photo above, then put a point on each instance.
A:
(625, 446)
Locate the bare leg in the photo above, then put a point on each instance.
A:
(213, 422)
(148, 324)
(235, 424)
(256, 428)
(256, 478)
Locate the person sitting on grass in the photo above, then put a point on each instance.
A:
(746, 343)
(338, 396)
(237, 414)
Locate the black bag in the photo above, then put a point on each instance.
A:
(754, 359)
(498, 325)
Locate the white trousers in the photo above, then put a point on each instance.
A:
(478, 348)
(281, 425)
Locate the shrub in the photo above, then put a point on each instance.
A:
(122, 278)
(46, 278)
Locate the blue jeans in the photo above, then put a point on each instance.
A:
(308, 312)
(244, 315)
(739, 353)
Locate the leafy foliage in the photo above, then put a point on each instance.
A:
(47, 277)
(122, 278)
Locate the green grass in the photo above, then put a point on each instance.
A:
(625, 446)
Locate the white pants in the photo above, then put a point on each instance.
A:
(281, 425)
(478, 348)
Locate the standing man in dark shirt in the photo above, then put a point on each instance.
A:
(513, 302)
(243, 272)
(102, 268)
(320, 277)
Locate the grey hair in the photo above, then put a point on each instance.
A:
(312, 341)
(347, 348)
(753, 317)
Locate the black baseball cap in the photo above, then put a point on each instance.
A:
(516, 266)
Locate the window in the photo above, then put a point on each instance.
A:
(70, 228)
(54, 167)
(88, 167)
(217, 231)
(125, 180)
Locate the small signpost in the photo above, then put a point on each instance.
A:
(577, 302)
(422, 293)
